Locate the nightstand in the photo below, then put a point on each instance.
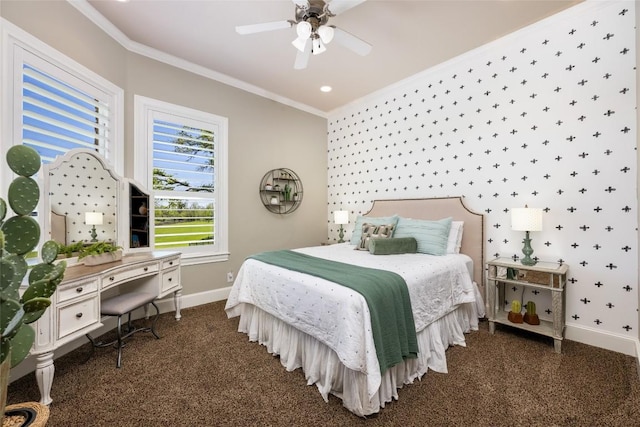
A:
(544, 276)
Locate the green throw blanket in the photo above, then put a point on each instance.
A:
(385, 292)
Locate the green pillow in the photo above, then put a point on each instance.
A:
(357, 228)
(397, 245)
(432, 236)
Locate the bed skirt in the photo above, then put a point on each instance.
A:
(323, 368)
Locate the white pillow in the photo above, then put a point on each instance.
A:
(455, 237)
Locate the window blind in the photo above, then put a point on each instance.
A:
(58, 116)
(184, 173)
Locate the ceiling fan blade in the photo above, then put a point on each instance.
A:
(302, 58)
(265, 26)
(351, 42)
(336, 7)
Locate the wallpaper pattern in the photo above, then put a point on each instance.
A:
(544, 117)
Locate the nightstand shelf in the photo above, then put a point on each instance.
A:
(544, 276)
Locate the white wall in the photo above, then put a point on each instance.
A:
(544, 117)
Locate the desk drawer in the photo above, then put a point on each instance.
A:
(79, 289)
(170, 280)
(112, 279)
(74, 317)
(170, 263)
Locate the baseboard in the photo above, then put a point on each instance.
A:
(165, 305)
(608, 340)
(193, 300)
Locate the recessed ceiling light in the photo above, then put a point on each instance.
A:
(325, 88)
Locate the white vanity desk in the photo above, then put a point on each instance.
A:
(75, 306)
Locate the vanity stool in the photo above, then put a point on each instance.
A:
(119, 306)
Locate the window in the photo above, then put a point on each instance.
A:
(181, 155)
(57, 104)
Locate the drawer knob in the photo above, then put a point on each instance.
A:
(170, 262)
(78, 290)
(112, 278)
(170, 278)
(79, 315)
(146, 268)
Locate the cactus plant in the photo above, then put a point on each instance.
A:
(531, 308)
(19, 235)
(514, 315)
(530, 316)
(516, 307)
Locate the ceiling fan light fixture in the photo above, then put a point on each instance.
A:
(326, 33)
(300, 43)
(317, 47)
(303, 29)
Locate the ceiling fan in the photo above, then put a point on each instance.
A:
(312, 29)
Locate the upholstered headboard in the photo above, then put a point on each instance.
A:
(438, 208)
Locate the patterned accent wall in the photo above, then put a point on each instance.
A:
(544, 117)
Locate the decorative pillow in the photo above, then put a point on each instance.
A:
(432, 236)
(357, 228)
(370, 231)
(455, 237)
(396, 245)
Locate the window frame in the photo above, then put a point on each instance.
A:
(145, 110)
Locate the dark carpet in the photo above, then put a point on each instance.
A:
(205, 373)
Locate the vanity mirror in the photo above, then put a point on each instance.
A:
(81, 196)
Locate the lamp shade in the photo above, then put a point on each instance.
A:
(317, 47)
(526, 219)
(341, 217)
(303, 30)
(326, 34)
(93, 218)
(300, 44)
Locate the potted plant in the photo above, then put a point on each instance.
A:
(515, 314)
(100, 253)
(19, 235)
(68, 251)
(530, 316)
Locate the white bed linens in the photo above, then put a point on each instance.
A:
(338, 316)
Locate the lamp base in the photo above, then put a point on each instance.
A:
(527, 250)
(341, 234)
(94, 234)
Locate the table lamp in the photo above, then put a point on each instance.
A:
(341, 218)
(93, 219)
(526, 219)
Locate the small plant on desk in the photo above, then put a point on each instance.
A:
(98, 248)
(68, 251)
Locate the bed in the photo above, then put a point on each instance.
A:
(324, 328)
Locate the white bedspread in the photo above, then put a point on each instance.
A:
(338, 316)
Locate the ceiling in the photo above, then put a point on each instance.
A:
(407, 37)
